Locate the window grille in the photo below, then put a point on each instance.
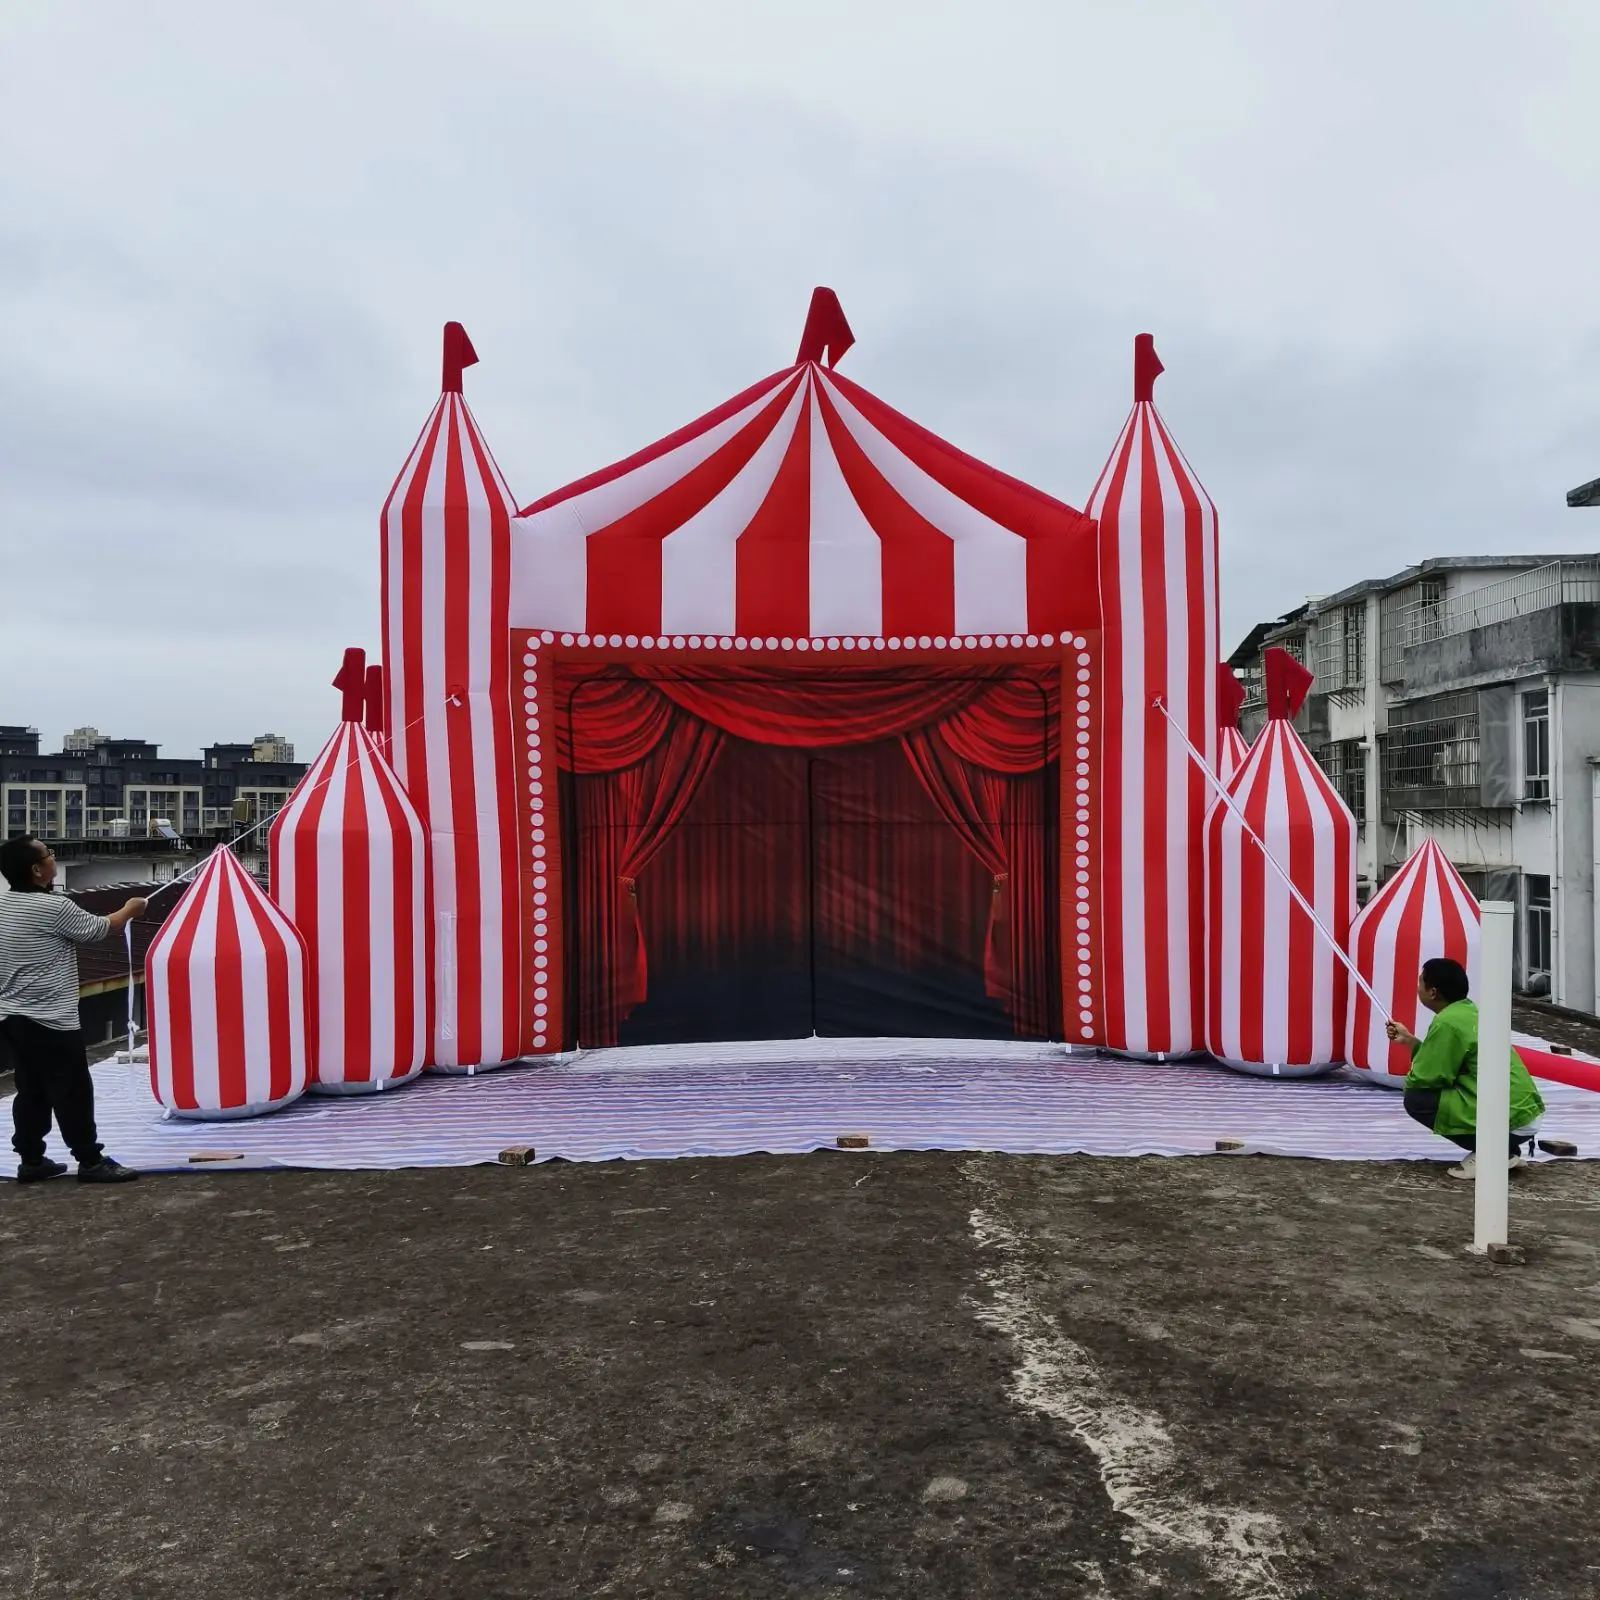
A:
(1430, 756)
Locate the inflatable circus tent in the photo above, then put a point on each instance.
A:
(1424, 910)
(796, 731)
(228, 991)
(1275, 979)
(349, 868)
(1157, 556)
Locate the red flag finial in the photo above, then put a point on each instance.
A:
(458, 356)
(1146, 367)
(1288, 683)
(373, 702)
(352, 684)
(1230, 696)
(827, 335)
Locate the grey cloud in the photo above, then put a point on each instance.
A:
(230, 236)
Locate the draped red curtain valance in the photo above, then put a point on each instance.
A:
(645, 738)
(998, 719)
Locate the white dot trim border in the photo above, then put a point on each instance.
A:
(1075, 893)
(1051, 642)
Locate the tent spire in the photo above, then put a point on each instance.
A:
(827, 335)
(1146, 367)
(458, 356)
(1288, 684)
(352, 684)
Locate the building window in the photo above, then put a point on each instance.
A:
(1537, 930)
(1345, 762)
(1355, 646)
(1430, 756)
(1536, 745)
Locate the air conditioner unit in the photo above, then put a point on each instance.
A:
(119, 827)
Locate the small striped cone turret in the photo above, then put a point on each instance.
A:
(450, 718)
(1423, 911)
(1275, 984)
(227, 986)
(1232, 746)
(349, 860)
(1158, 597)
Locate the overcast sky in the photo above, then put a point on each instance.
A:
(1365, 235)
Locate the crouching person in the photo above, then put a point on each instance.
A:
(1442, 1087)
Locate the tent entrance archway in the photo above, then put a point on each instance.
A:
(876, 888)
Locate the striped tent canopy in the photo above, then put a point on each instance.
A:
(349, 863)
(447, 712)
(1232, 746)
(227, 999)
(803, 508)
(1423, 911)
(1157, 561)
(1275, 986)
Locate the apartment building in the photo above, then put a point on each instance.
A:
(1460, 699)
(120, 811)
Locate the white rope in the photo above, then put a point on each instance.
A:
(1272, 861)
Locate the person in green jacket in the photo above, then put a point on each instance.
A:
(1442, 1087)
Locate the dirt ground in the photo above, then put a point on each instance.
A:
(906, 1375)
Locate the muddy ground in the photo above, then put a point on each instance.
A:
(907, 1375)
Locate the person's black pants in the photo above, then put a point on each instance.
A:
(52, 1073)
(1422, 1105)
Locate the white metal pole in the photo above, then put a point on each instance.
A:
(1491, 1201)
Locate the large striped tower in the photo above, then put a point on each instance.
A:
(1158, 600)
(447, 678)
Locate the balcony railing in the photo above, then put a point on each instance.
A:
(1558, 583)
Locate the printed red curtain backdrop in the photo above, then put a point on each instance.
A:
(910, 813)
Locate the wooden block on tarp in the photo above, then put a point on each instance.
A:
(205, 1156)
(852, 1141)
(1229, 1146)
(1558, 1147)
(517, 1155)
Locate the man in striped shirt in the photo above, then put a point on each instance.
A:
(39, 934)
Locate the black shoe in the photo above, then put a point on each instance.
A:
(105, 1170)
(39, 1171)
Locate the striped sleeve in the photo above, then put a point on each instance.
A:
(73, 923)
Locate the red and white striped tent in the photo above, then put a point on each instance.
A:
(449, 718)
(227, 987)
(1232, 746)
(349, 867)
(1275, 984)
(1158, 585)
(1423, 911)
(803, 509)
(802, 519)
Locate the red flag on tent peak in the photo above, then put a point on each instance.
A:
(1230, 697)
(827, 334)
(1146, 367)
(351, 682)
(458, 356)
(1288, 683)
